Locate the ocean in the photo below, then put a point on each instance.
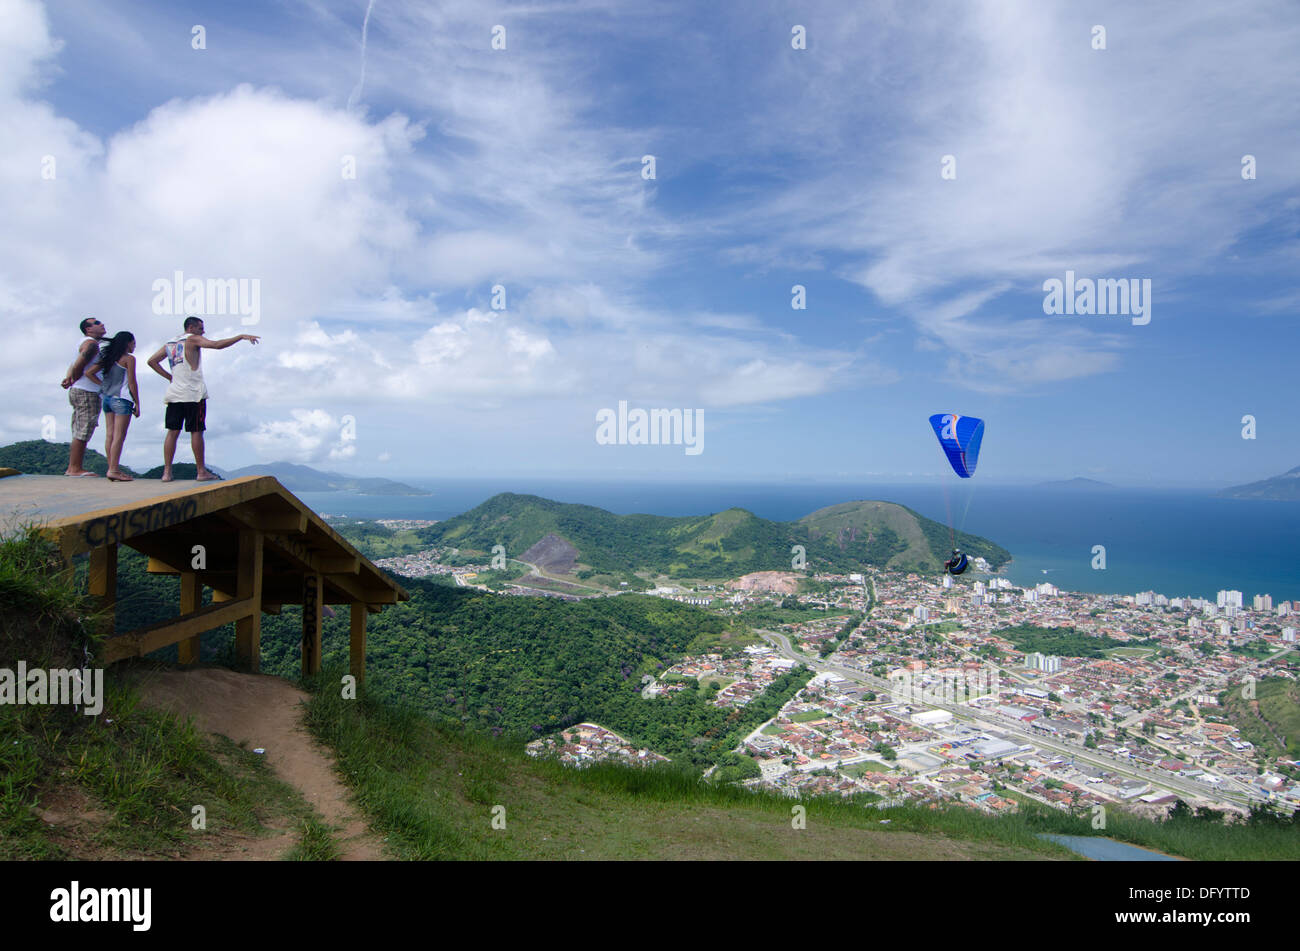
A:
(1174, 542)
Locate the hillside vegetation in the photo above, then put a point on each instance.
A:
(120, 784)
(516, 666)
(842, 538)
(38, 457)
(1271, 720)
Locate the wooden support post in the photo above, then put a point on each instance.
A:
(102, 583)
(248, 584)
(357, 642)
(187, 651)
(312, 592)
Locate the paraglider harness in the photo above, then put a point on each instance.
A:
(956, 564)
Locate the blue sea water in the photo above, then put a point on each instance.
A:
(1175, 542)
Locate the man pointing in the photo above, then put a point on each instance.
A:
(187, 394)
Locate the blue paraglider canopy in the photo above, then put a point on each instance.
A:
(960, 437)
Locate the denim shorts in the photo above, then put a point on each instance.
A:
(118, 406)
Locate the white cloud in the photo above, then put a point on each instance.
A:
(308, 436)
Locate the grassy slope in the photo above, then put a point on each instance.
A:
(431, 790)
(1271, 718)
(121, 784)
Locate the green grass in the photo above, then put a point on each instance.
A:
(1272, 716)
(316, 842)
(1129, 651)
(131, 784)
(432, 788)
(809, 716)
(122, 784)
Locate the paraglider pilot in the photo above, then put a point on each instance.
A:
(957, 563)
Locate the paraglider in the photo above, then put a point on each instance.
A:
(960, 438)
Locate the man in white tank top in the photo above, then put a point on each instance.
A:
(187, 394)
(84, 397)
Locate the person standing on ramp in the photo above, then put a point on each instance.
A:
(187, 394)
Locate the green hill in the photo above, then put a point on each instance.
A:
(1270, 720)
(843, 537)
(38, 457)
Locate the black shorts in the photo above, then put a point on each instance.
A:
(193, 415)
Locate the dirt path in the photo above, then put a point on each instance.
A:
(266, 713)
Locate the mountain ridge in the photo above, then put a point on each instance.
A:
(843, 537)
(1282, 488)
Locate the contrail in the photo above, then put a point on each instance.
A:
(365, 25)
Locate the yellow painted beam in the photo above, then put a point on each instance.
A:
(142, 640)
(252, 515)
(340, 566)
(157, 566)
(101, 581)
(311, 624)
(248, 585)
(187, 651)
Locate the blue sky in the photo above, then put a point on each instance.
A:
(775, 166)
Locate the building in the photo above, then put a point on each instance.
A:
(1037, 661)
(1288, 635)
(1263, 602)
(1227, 598)
(1144, 598)
(931, 717)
